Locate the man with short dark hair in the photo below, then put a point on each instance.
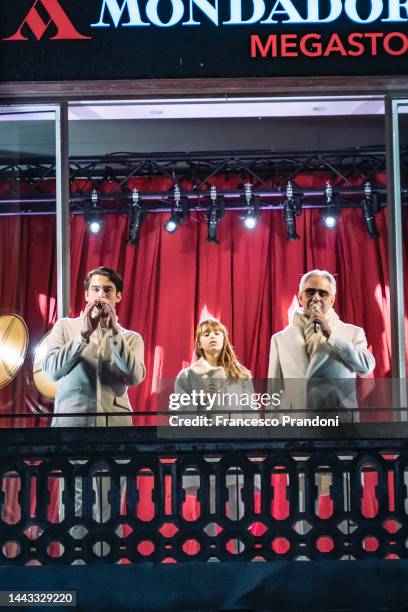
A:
(112, 275)
(93, 358)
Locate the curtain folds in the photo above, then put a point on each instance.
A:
(249, 280)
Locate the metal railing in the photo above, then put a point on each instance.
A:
(123, 495)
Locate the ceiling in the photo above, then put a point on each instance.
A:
(204, 109)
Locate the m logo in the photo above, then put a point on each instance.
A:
(39, 25)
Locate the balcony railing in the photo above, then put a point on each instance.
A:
(124, 495)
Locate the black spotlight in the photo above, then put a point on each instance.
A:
(179, 212)
(173, 223)
(370, 206)
(93, 217)
(331, 214)
(212, 224)
(215, 213)
(291, 208)
(136, 216)
(252, 212)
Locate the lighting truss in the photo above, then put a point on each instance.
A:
(268, 172)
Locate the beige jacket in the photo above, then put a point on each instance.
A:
(328, 378)
(198, 377)
(201, 374)
(92, 377)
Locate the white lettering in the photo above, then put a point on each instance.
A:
(394, 10)
(313, 11)
(236, 12)
(168, 13)
(350, 6)
(276, 400)
(211, 397)
(287, 9)
(174, 401)
(221, 420)
(116, 13)
(176, 16)
(185, 399)
(207, 8)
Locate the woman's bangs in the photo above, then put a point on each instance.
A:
(209, 326)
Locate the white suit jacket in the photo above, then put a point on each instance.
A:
(92, 377)
(337, 361)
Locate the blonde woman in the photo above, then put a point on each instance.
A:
(216, 371)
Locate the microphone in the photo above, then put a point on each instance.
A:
(316, 308)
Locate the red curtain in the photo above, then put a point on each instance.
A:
(249, 280)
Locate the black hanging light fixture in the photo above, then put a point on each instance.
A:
(291, 208)
(370, 207)
(215, 213)
(92, 214)
(179, 212)
(136, 215)
(331, 213)
(252, 212)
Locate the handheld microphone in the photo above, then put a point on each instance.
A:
(316, 308)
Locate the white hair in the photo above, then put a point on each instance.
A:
(324, 274)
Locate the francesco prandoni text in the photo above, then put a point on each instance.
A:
(219, 420)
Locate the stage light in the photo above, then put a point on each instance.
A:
(179, 212)
(95, 227)
(92, 216)
(212, 224)
(172, 224)
(136, 219)
(329, 220)
(215, 213)
(370, 207)
(331, 214)
(252, 213)
(291, 207)
(250, 221)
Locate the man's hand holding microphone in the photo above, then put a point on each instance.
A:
(319, 320)
(96, 310)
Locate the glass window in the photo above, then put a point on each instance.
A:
(27, 258)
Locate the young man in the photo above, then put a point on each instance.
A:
(93, 358)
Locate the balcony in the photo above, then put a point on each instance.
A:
(123, 516)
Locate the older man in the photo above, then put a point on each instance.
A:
(93, 358)
(317, 346)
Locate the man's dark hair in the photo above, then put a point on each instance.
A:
(113, 276)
